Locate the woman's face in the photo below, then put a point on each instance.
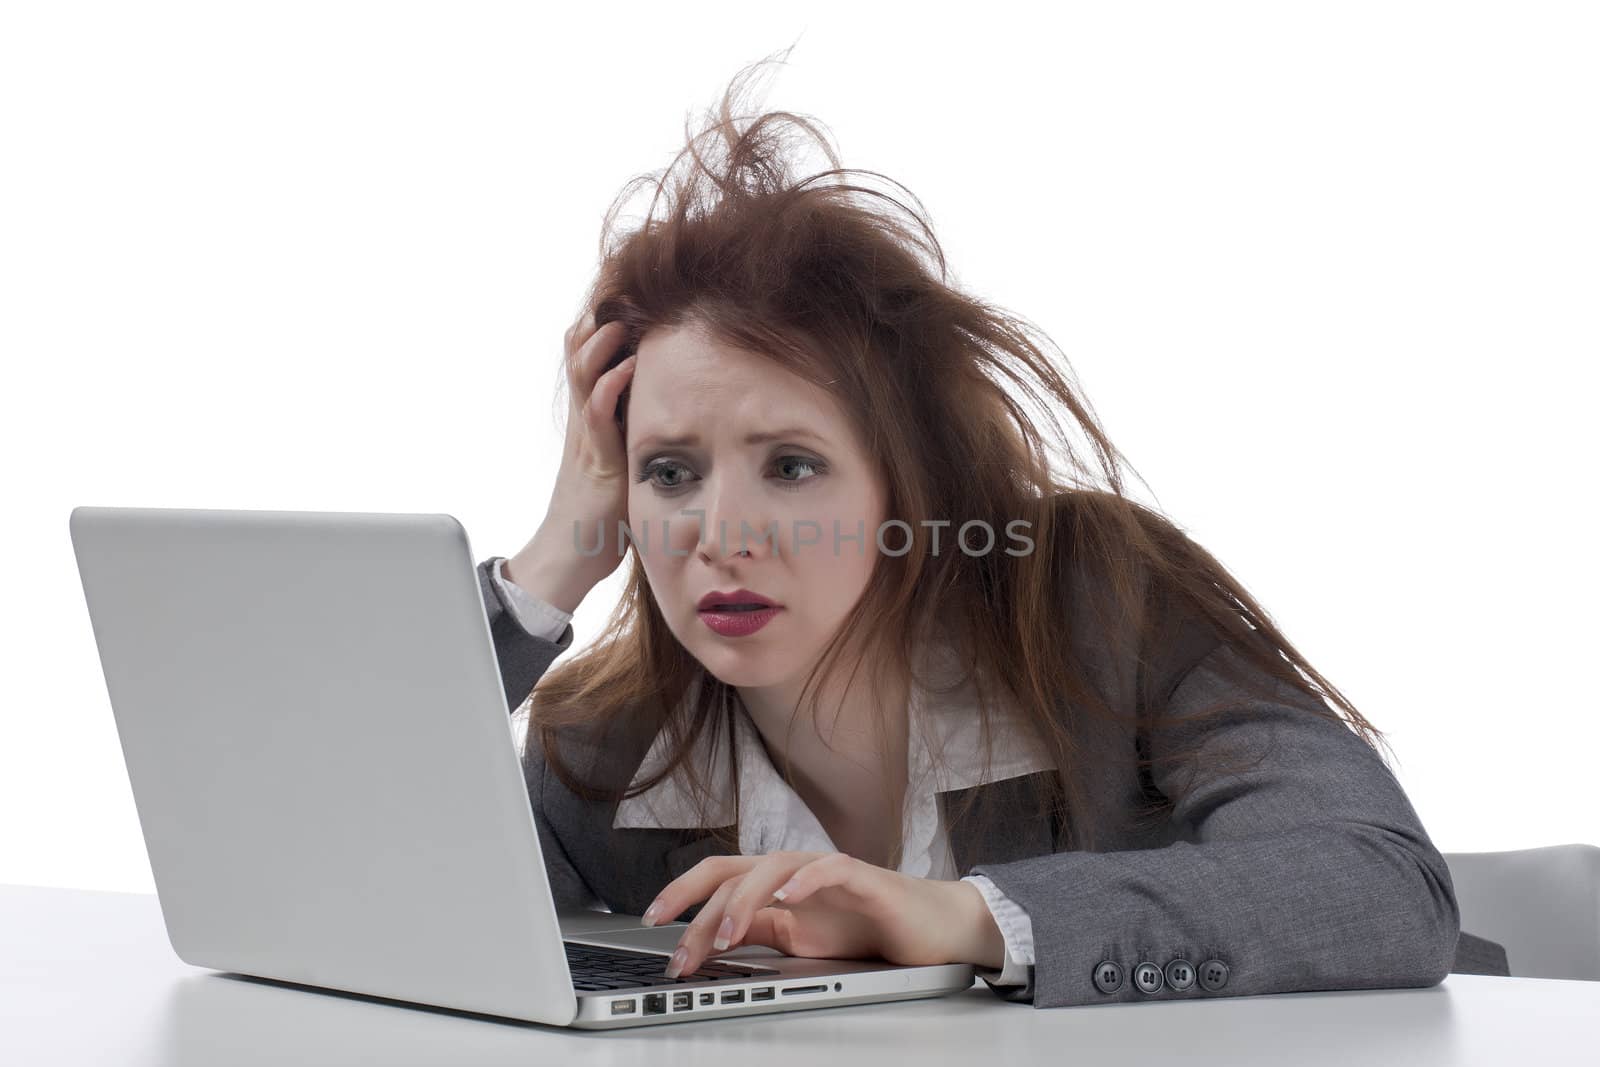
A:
(721, 443)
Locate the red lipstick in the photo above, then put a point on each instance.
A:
(737, 613)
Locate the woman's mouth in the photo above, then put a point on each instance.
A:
(736, 612)
(737, 620)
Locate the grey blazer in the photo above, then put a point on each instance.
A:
(1309, 871)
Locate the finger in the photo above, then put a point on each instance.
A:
(580, 331)
(695, 940)
(600, 415)
(588, 362)
(577, 335)
(835, 870)
(755, 892)
(694, 885)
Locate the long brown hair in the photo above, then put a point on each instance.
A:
(846, 285)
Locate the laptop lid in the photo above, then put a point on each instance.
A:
(321, 754)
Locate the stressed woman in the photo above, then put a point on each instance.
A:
(896, 672)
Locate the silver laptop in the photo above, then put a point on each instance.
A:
(323, 764)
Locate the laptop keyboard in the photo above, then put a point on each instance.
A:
(596, 967)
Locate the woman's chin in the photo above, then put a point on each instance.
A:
(739, 665)
(740, 676)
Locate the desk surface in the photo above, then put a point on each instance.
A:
(89, 978)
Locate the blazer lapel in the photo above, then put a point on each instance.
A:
(1001, 826)
(684, 856)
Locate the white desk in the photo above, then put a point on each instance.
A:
(89, 978)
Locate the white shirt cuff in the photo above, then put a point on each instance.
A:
(1015, 926)
(539, 617)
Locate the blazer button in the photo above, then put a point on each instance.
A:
(1180, 974)
(1107, 976)
(1213, 975)
(1147, 976)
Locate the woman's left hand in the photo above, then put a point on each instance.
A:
(828, 905)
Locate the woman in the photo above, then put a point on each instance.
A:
(882, 681)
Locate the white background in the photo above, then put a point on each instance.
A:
(1328, 273)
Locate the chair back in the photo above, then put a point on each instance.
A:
(1542, 904)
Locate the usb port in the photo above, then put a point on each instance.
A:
(733, 996)
(708, 998)
(764, 993)
(655, 1004)
(624, 1007)
(682, 1001)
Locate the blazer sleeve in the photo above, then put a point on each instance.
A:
(1307, 870)
(523, 658)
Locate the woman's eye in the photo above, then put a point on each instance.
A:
(677, 473)
(791, 463)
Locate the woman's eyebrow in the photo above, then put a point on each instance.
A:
(685, 439)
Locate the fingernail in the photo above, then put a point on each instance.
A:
(787, 888)
(724, 933)
(675, 967)
(651, 914)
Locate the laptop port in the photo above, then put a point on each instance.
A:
(682, 1001)
(764, 993)
(655, 1004)
(733, 996)
(708, 998)
(624, 1007)
(787, 990)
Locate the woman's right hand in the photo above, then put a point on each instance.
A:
(591, 492)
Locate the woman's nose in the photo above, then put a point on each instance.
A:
(732, 530)
(726, 540)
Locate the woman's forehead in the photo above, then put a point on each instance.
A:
(688, 384)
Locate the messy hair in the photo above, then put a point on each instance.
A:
(961, 404)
